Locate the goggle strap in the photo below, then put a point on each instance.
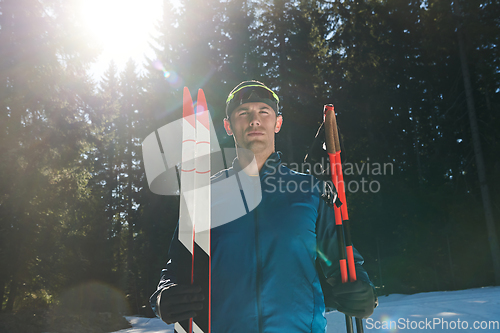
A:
(253, 85)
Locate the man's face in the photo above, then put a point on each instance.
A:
(253, 126)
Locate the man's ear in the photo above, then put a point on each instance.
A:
(279, 122)
(227, 127)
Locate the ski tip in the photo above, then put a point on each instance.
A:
(202, 109)
(187, 94)
(187, 107)
(201, 95)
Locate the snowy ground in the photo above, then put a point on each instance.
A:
(442, 311)
(464, 311)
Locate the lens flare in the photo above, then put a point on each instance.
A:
(170, 75)
(325, 259)
(389, 323)
(96, 296)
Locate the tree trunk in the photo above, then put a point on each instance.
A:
(2, 294)
(481, 171)
(9, 307)
(450, 261)
(381, 281)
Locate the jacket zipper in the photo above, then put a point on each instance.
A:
(258, 272)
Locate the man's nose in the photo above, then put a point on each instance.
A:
(255, 119)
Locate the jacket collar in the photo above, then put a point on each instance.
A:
(270, 166)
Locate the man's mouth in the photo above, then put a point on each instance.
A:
(255, 133)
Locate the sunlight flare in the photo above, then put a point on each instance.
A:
(123, 28)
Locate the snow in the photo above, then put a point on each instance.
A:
(443, 311)
(147, 325)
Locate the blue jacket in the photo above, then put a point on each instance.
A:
(264, 276)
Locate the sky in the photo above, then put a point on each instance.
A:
(472, 310)
(123, 28)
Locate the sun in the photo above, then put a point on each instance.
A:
(122, 27)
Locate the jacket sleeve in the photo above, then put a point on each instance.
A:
(328, 245)
(168, 274)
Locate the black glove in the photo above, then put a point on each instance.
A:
(355, 299)
(179, 302)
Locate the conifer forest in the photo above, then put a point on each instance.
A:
(416, 88)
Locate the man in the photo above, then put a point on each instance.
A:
(264, 274)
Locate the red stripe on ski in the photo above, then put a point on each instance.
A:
(202, 109)
(192, 263)
(187, 107)
(192, 271)
(210, 284)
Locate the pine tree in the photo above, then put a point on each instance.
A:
(44, 131)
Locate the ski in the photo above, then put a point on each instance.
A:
(202, 225)
(194, 210)
(187, 200)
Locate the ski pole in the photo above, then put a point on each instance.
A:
(333, 150)
(331, 132)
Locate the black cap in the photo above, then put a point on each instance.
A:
(249, 92)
